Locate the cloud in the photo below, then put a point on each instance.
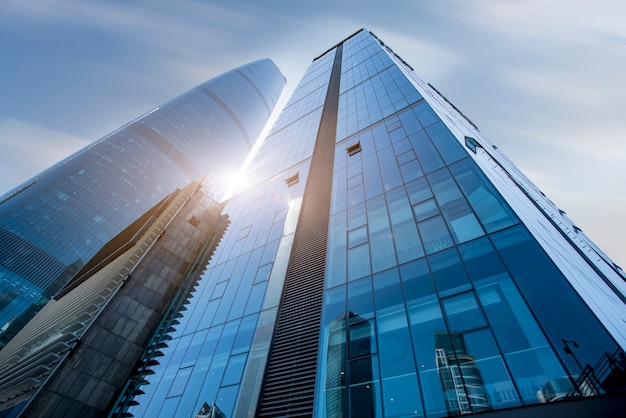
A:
(542, 79)
(28, 149)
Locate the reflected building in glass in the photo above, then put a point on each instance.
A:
(389, 261)
(52, 225)
(461, 381)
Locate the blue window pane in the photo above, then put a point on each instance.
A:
(335, 374)
(381, 242)
(194, 349)
(489, 206)
(381, 138)
(393, 123)
(563, 317)
(401, 397)
(366, 138)
(509, 317)
(268, 253)
(234, 369)
(425, 114)
(426, 152)
(387, 291)
(226, 399)
(218, 292)
(336, 368)
(355, 181)
(416, 280)
(481, 260)
(486, 380)
(448, 272)
(365, 400)
(356, 195)
(401, 145)
(358, 262)
(425, 210)
(462, 221)
(389, 169)
(363, 370)
(208, 348)
(448, 146)
(406, 157)
(336, 399)
(179, 382)
(243, 341)
(427, 329)
(405, 235)
(444, 187)
(463, 313)
(372, 179)
(362, 337)
(334, 304)
(418, 190)
(410, 122)
(411, 170)
(169, 407)
(535, 372)
(354, 167)
(340, 161)
(336, 251)
(356, 216)
(263, 273)
(395, 352)
(528, 355)
(187, 406)
(357, 236)
(360, 299)
(457, 213)
(339, 191)
(434, 234)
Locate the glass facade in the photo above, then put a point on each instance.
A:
(438, 297)
(53, 224)
(205, 360)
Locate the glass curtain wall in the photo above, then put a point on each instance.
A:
(438, 300)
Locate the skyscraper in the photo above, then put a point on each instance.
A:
(390, 261)
(75, 355)
(53, 224)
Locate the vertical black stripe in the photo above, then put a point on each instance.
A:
(289, 385)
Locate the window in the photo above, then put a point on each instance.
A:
(354, 149)
(472, 144)
(293, 180)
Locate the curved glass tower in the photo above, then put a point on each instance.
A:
(53, 224)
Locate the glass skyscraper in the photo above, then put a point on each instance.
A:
(53, 224)
(389, 261)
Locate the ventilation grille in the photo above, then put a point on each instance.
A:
(289, 385)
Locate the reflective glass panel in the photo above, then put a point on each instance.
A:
(434, 234)
(448, 272)
(463, 313)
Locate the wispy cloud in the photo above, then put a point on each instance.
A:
(29, 149)
(541, 79)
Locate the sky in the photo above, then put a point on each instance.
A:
(544, 81)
